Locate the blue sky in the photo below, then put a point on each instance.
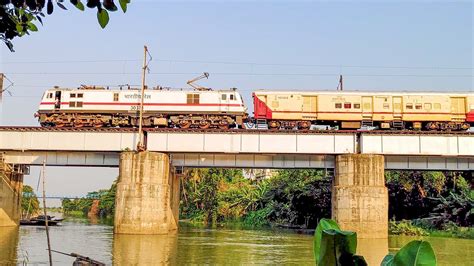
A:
(304, 45)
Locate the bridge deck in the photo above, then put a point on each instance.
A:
(239, 148)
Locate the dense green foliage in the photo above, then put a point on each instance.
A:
(82, 206)
(29, 202)
(433, 200)
(406, 227)
(18, 17)
(220, 195)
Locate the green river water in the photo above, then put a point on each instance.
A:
(196, 246)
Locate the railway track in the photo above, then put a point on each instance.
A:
(248, 131)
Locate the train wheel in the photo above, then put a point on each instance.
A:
(78, 123)
(203, 124)
(184, 124)
(59, 124)
(274, 125)
(224, 126)
(97, 123)
(304, 125)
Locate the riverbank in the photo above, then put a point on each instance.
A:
(199, 245)
(420, 203)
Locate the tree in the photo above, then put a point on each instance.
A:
(18, 17)
(29, 202)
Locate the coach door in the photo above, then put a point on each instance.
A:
(367, 107)
(310, 107)
(397, 107)
(57, 100)
(458, 108)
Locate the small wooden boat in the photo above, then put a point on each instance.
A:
(41, 221)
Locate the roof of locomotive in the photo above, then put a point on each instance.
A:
(355, 92)
(138, 89)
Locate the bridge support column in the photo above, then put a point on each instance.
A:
(11, 185)
(147, 200)
(359, 195)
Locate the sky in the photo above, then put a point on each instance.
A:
(249, 45)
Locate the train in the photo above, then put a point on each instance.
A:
(274, 110)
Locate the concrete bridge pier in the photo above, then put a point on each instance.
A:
(11, 186)
(147, 200)
(359, 195)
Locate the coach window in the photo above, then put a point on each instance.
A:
(78, 104)
(427, 106)
(357, 106)
(338, 105)
(192, 98)
(73, 95)
(224, 97)
(116, 96)
(72, 104)
(80, 95)
(418, 106)
(409, 106)
(347, 105)
(437, 106)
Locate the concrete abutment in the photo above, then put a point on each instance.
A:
(359, 195)
(11, 186)
(147, 199)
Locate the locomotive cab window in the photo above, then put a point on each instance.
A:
(232, 97)
(192, 98)
(116, 97)
(224, 97)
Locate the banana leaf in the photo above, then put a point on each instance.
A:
(415, 253)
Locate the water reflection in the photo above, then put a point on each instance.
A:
(373, 250)
(197, 246)
(145, 249)
(8, 243)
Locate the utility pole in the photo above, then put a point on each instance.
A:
(141, 145)
(45, 213)
(1, 86)
(341, 83)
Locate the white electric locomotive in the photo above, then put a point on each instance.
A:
(99, 107)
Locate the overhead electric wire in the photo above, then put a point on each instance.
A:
(239, 63)
(239, 74)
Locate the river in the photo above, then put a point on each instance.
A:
(194, 245)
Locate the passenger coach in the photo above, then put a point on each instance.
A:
(353, 110)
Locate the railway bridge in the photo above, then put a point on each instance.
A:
(148, 189)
